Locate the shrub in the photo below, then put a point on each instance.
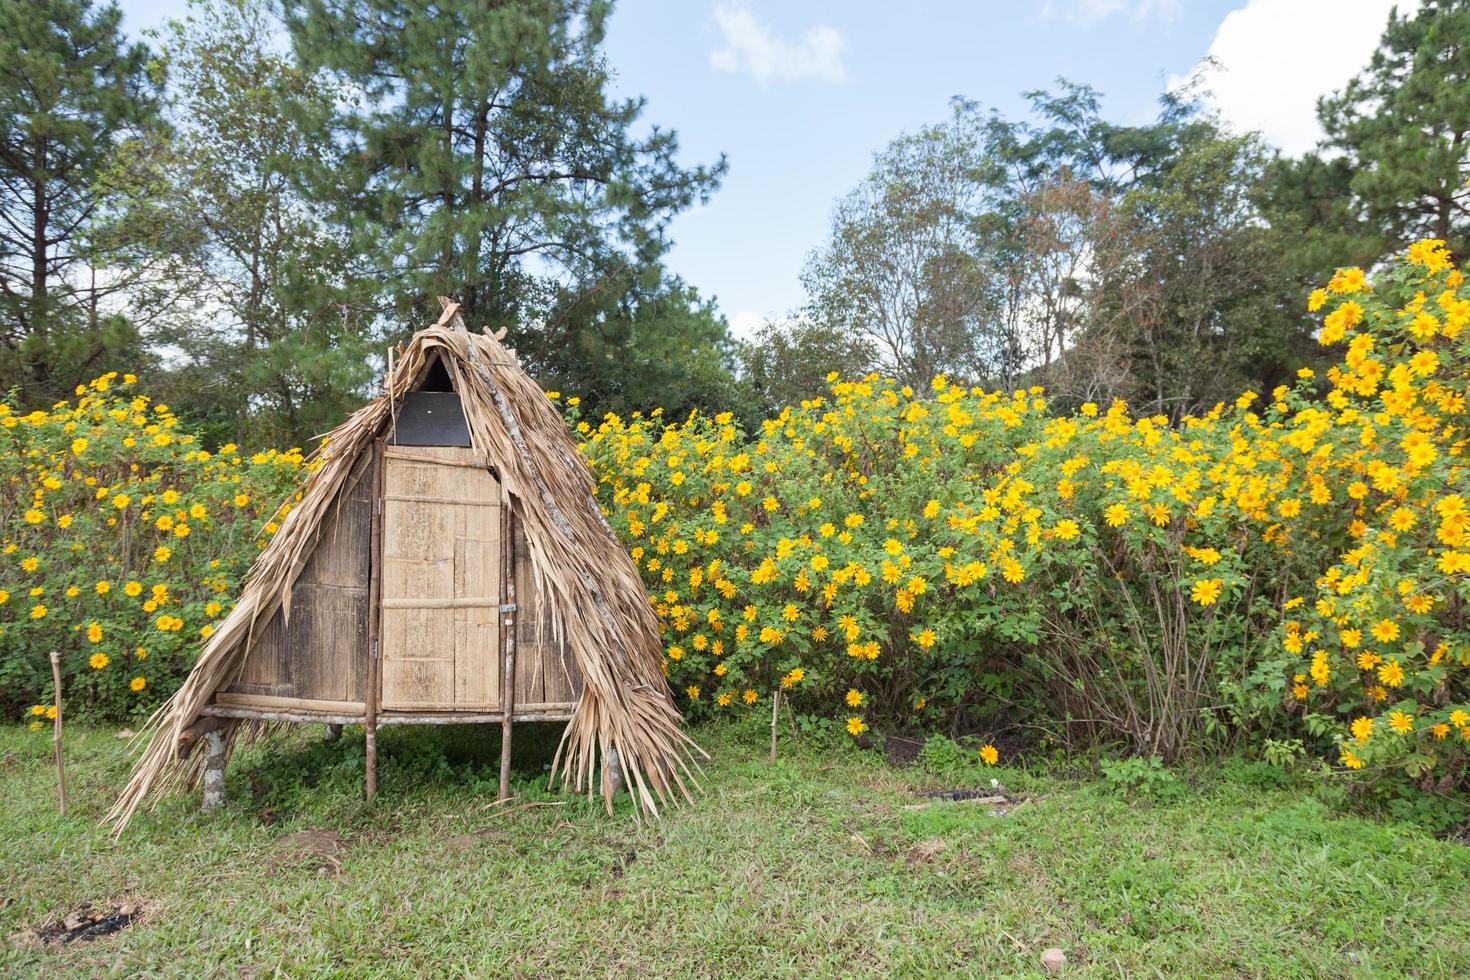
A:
(1290, 569)
(946, 557)
(123, 544)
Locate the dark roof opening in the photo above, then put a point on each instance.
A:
(436, 378)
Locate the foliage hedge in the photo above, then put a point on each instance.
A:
(123, 543)
(1289, 569)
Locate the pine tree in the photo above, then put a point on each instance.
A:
(484, 158)
(1404, 125)
(71, 90)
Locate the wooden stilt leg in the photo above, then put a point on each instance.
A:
(372, 762)
(505, 730)
(508, 643)
(375, 614)
(614, 770)
(215, 758)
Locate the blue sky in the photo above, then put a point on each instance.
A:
(799, 95)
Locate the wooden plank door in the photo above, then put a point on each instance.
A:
(441, 581)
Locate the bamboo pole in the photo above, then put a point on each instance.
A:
(775, 716)
(56, 730)
(508, 642)
(375, 615)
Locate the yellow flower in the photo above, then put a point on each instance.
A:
(137, 683)
(693, 692)
(120, 501)
(749, 696)
(854, 698)
(1206, 591)
(98, 661)
(989, 755)
(94, 633)
(1067, 530)
(1390, 673)
(161, 553)
(1344, 281)
(1401, 722)
(133, 589)
(856, 726)
(1115, 515)
(1362, 729)
(1386, 631)
(103, 587)
(38, 611)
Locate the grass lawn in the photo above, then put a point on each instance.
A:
(818, 866)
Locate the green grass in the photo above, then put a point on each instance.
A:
(814, 867)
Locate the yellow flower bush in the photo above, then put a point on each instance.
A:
(1293, 564)
(1095, 576)
(115, 522)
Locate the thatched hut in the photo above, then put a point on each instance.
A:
(445, 562)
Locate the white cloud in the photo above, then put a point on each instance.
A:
(1277, 57)
(751, 47)
(1089, 12)
(745, 323)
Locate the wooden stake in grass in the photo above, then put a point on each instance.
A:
(775, 715)
(56, 731)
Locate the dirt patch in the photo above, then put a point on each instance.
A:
(323, 848)
(997, 797)
(924, 852)
(88, 923)
(902, 750)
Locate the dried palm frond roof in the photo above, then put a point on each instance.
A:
(598, 600)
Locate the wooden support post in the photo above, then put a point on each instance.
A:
(334, 732)
(375, 615)
(215, 757)
(190, 736)
(775, 714)
(508, 641)
(56, 729)
(614, 766)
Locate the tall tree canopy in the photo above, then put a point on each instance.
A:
(1403, 125)
(1106, 261)
(482, 156)
(71, 90)
(280, 341)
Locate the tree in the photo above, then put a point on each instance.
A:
(789, 362)
(283, 346)
(904, 265)
(1201, 297)
(71, 91)
(1403, 125)
(482, 156)
(634, 343)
